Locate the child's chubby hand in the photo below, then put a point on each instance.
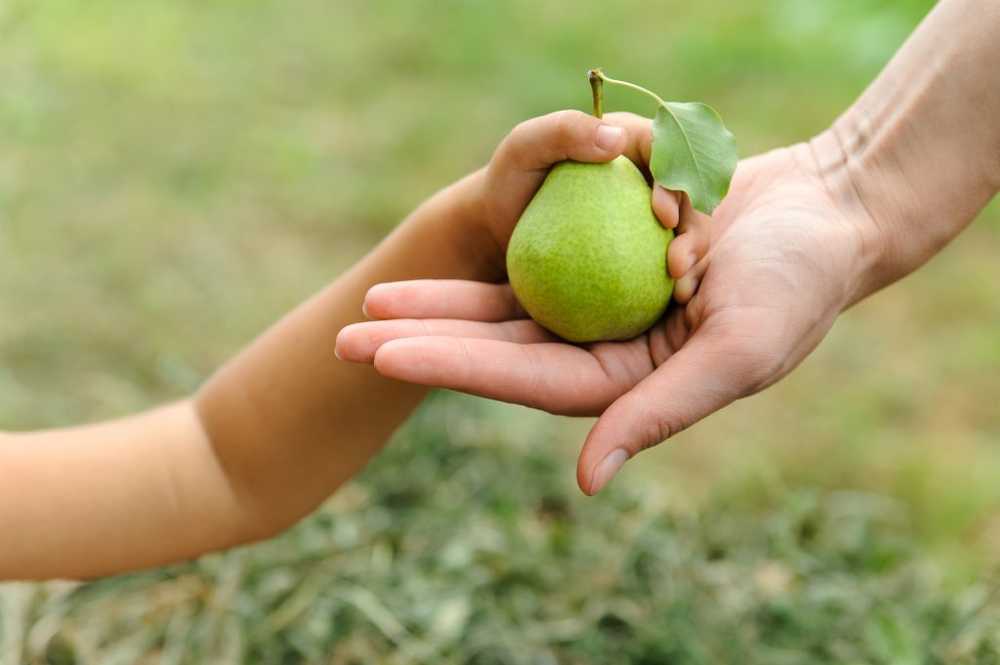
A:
(517, 169)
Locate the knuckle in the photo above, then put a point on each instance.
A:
(568, 128)
(568, 118)
(656, 426)
(521, 130)
(546, 138)
(659, 429)
(513, 147)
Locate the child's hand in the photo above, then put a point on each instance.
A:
(523, 159)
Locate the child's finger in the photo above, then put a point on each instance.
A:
(522, 160)
(442, 299)
(359, 342)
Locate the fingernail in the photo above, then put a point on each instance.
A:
(336, 343)
(364, 308)
(607, 469)
(609, 137)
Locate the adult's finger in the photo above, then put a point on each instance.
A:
(359, 342)
(555, 377)
(442, 299)
(709, 372)
(687, 285)
(692, 242)
(666, 206)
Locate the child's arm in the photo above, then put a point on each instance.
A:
(268, 437)
(284, 423)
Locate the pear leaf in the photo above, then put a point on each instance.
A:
(693, 152)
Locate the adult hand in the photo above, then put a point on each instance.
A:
(785, 260)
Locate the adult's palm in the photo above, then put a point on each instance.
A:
(784, 249)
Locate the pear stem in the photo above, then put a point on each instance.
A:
(595, 76)
(638, 88)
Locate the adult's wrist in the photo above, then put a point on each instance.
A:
(920, 149)
(911, 182)
(842, 176)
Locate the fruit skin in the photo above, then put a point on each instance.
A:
(588, 259)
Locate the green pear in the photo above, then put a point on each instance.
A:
(588, 259)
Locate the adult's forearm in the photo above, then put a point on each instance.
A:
(920, 149)
(288, 421)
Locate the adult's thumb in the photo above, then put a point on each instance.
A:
(705, 375)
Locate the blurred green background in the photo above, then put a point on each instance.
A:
(174, 175)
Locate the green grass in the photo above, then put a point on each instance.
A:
(430, 559)
(174, 175)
